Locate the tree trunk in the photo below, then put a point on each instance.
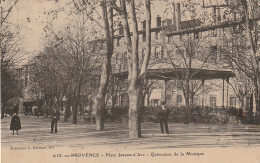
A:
(67, 110)
(133, 68)
(254, 49)
(187, 102)
(2, 111)
(257, 103)
(135, 79)
(74, 112)
(187, 111)
(99, 105)
(134, 113)
(114, 99)
(148, 99)
(242, 102)
(257, 94)
(192, 100)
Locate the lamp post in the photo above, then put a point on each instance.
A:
(64, 100)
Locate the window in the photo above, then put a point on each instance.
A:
(121, 31)
(116, 58)
(144, 24)
(180, 52)
(26, 81)
(196, 101)
(101, 45)
(213, 33)
(122, 58)
(168, 98)
(156, 35)
(232, 102)
(143, 54)
(179, 100)
(94, 83)
(118, 42)
(144, 37)
(125, 57)
(162, 53)
(159, 21)
(169, 39)
(213, 52)
(169, 53)
(155, 102)
(248, 102)
(157, 52)
(213, 101)
(196, 35)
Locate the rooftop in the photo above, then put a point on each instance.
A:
(179, 73)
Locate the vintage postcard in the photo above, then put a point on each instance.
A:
(130, 81)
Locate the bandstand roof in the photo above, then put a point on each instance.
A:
(179, 73)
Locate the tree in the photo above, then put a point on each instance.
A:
(6, 9)
(241, 86)
(108, 29)
(9, 51)
(186, 53)
(187, 56)
(149, 86)
(136, 72)
(85, 60)
(71, 60)
(243, 52)
(99, 106)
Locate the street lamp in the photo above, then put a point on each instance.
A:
(64, 100)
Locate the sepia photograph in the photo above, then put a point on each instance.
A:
(130, 81)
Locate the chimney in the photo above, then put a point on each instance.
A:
(159, 21)
(178, 16)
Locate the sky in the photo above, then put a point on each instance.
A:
(29, 14)
(32, 16)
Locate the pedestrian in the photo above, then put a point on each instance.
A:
(55, 119)
(239, 115)
(15, 123)
(163, 116)
(36, 110)
(16, 108)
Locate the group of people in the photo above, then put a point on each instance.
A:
(163, 115)
(16, 122)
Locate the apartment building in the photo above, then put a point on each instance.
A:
(167, 33)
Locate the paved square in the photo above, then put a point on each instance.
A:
(35, 131)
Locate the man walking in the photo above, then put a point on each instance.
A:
(163, 116)
(54, 121)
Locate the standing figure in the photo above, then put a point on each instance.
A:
(16, 108)
(54, 121)
(163, 116)
(15, 123)
(36, 110)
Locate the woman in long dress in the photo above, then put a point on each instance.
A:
(15, 123)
